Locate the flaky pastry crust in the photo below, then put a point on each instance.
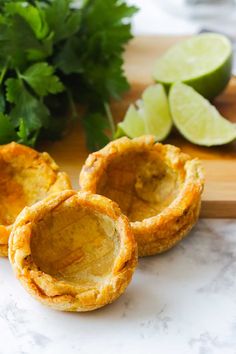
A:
(26, 176)
(157, 186)
(73, 251)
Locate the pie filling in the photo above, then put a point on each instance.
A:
(75, 244)
(141, 183)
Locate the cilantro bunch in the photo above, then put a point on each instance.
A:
(53, 54)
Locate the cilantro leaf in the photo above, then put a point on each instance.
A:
(62, 20)
(33, 111)
(41, 78)
(7, 131)
(113, 22)
(31, 14)
(95, 125)
(23, 135)
(106, 80)
(22, 132)
(112, 13)
(68, 59)
(19, 44)
(13, 90)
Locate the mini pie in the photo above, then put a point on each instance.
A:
(26, 177)
(73, 251)
(157, 186)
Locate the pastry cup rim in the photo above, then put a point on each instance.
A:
(67, 297)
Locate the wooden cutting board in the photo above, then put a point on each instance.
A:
(219, 198)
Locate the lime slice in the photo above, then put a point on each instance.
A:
(203, 62)
(197, 120)
(150, 116)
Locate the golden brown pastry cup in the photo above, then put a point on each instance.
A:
(26, 176)
(73, 251)
(157, 186)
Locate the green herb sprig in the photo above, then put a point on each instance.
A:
(55, 53)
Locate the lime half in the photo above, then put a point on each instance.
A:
(203, 62)
(151, 115)
(197, 120)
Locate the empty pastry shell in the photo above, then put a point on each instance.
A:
(157, 186)
(26, 176)
(73, 251)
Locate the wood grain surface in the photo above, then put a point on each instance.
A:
(219, 198)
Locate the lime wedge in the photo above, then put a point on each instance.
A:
(197, 120)
(151, 115)
(133, 124)
(203, 62)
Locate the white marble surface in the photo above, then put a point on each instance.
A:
(182, 302)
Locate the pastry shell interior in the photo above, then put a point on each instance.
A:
(26, 176)
(73, 251)
(157, 186)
